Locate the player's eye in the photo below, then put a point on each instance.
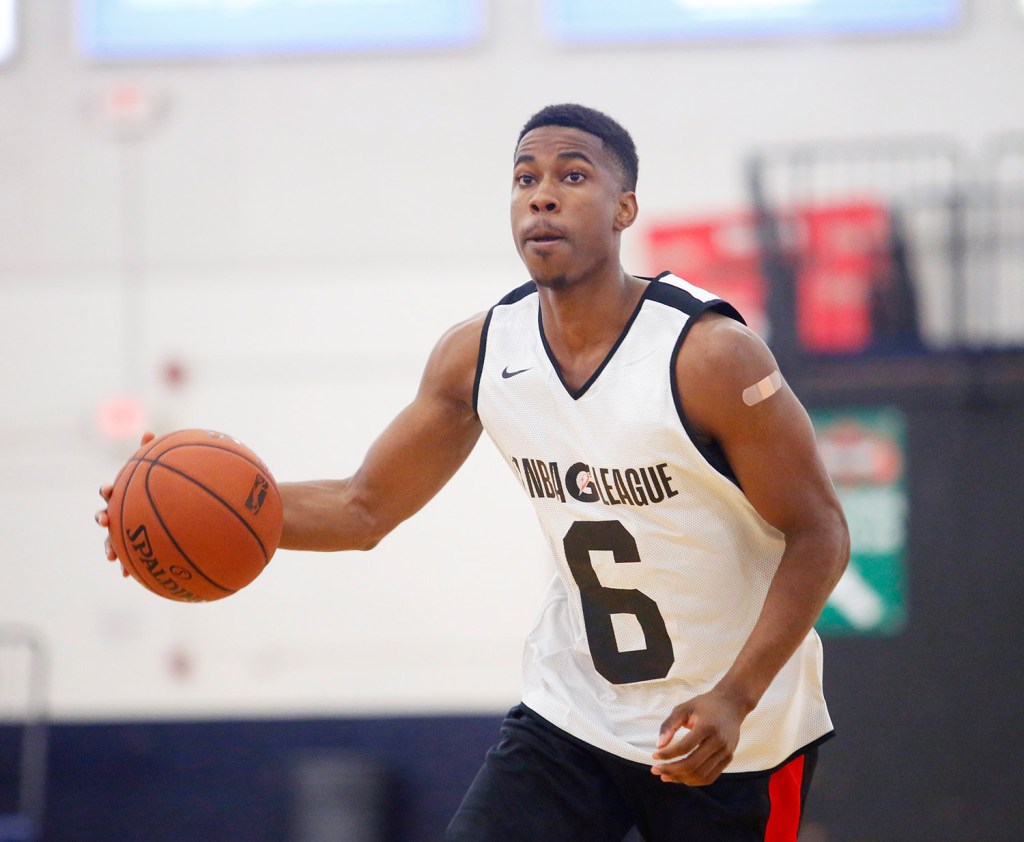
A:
(575, 177)
(525, 179)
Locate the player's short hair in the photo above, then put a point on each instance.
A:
(615, 138)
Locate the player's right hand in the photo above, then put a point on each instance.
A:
(103, 519)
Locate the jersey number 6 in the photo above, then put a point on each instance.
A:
(600, 603)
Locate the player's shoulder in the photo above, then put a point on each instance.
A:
(718, 345)
(453, 363)
(463, 338)
(451, 368)
(719, 359)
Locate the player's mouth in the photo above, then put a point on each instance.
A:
(543, 235)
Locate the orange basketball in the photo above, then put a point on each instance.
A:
(195, 515)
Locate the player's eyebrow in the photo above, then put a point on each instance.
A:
(567, 155)
(572, 155)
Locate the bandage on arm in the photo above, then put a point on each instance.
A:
(763, 389)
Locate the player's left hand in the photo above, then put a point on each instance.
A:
(711, 724)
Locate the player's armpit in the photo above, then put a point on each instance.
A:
(415, 456)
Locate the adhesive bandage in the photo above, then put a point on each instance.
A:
(763, 388)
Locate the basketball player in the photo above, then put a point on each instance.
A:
(673, 680)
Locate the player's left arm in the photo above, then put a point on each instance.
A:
(767, 437)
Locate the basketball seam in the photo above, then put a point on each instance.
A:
(256, 464)
(215, 496)
(139, 576)
(212, 493)
(167, 531)
(139, 458)
(262, 468)
(124, 498)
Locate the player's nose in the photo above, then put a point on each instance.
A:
(544, 198)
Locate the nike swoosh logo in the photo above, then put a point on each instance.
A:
(507, 374)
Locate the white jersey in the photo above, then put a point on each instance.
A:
(662, 564)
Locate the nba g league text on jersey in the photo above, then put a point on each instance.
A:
(611, 486)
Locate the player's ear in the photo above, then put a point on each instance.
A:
(627, 210)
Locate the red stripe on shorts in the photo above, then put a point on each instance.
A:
(784, 792)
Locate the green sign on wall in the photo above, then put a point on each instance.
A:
(863, 450)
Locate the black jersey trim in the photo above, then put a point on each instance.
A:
(480, 361)
(582, 390)
(710, 450)
(673, 296)
(518, 293)
(739, 776)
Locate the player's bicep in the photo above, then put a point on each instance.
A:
(776, 461)
(429, 440)
(416, 455)
(734, 392)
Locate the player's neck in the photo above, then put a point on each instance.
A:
(582, 321)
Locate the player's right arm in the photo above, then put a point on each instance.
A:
(418, 452)
(405, 467)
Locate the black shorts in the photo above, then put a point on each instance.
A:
(540, 784)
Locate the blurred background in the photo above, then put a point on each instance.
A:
(257, 216)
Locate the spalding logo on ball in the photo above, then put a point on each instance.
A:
(195, 515)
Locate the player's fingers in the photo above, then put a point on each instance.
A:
(677, 719)
(106, 491)
(687, 742)
(698, 769)
(147, 437)
(692, 751)
(112, 556)
(683, 755)
(710, 769)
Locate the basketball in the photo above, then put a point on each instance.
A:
(195, 515)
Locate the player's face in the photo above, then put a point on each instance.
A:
(569, 206)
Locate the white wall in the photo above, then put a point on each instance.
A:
(297, 233)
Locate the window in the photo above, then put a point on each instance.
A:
(126, 29)
(8, 30)
(661, 20)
